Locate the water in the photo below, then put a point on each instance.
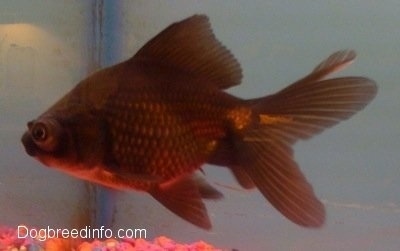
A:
(47, 47)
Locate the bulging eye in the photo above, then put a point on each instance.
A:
(39, 132)
(46, 134)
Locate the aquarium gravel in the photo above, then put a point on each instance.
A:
(10, 241)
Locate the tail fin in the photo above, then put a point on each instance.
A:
(299, 111)
(310, 105)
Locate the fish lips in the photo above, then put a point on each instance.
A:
(29, 144)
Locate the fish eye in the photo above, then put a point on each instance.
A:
(46, 133)
(39, 132)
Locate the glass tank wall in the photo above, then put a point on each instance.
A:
(46, 47)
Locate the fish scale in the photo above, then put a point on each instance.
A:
(147, 124)
(150, 117)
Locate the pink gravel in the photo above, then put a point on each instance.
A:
(9, 241)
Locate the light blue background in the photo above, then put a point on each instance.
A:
(354, 167)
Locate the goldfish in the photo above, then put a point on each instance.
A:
(151, 122)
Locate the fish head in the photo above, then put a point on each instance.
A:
(70, 139)
(46, 140)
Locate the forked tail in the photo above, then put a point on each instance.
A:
(264, 154)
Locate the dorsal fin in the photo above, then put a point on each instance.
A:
(190, 46)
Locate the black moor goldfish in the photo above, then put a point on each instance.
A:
(150, 122)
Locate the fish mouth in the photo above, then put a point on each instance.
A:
(30, 146)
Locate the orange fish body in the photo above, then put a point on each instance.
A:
(150, 122)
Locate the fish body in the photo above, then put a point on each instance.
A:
(151, 122)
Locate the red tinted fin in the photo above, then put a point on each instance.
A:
(271, 166)
(224, 156)
(183, 198)
(206, 190)
(335, 62)
(242, 177)
(299, 111)
(190, 46)
(307, 107)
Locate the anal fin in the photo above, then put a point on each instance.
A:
(183, 197)
(205, 189)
